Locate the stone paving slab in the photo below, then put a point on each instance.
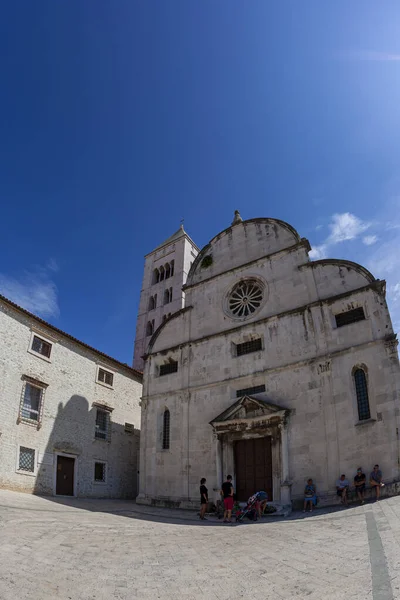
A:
(78, 549)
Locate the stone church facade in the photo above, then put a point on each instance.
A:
(277, 368)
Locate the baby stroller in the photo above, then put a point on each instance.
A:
(250, 511)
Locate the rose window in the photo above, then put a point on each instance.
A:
(245, 298)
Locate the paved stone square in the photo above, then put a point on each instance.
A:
(102, 550)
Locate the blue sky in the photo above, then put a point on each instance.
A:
(118, 119)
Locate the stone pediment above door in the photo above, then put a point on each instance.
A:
(249, 409)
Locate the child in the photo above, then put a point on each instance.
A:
(203, 499)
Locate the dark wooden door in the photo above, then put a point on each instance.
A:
(65, 476)
(253, 464)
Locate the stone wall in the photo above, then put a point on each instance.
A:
(69, 416)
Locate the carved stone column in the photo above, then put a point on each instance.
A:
(285, 483)
(219, 469)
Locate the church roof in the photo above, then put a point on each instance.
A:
(174, 237)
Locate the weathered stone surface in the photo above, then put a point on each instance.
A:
(113, 550)
(305, 362)
(67, 426)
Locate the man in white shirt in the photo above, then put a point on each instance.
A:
(342, 487)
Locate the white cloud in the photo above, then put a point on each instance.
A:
(33, 291)
(344, 227)
(318, 252)
(368, 240)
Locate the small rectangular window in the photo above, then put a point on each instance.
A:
(105, 377)
(100, 472)
(102, 424)
(171, 367)
(41, 347)
(129, 428)
(257, 389)
(350, 316)
(248, 347)
(31, 402)
(26, 460)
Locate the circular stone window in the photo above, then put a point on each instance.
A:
(245, 298)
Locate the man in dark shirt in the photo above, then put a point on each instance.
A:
(375, 480)
(203, 499)
(227, 493)
(359, 483)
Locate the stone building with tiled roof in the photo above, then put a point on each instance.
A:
(69, 414)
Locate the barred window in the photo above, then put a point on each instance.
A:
(41, 347)
(105, 377)
(257, 389)
(31, 402)
(171, 367)
(360, 381)
(248, 347)
(350, 316)
(26, 460)
(102, 431)
(100, 472)
(166, 428)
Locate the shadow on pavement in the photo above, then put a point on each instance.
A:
(129, 509)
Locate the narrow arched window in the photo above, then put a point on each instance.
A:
(360, 381)
(151, 303)
(162, 273)
(170, 294)
(167, 271)
(166, 427)
(156, 276)
(172, 267)
(150, 328)
(166, 296)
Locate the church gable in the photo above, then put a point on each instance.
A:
(248, 407)
(243, 242)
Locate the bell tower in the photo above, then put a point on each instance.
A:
(165, 272)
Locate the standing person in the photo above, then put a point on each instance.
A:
(359, 483)
(342, 487)
(227, 492)
(375, 480)
(203, 498)
(310, 495)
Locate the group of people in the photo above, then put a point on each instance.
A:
(227, 494)
(343, 486)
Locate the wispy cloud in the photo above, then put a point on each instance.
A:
(376, 56)
(33, 290)
(318, 252)
(369, 240)
(343, 227)
(52, 265)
